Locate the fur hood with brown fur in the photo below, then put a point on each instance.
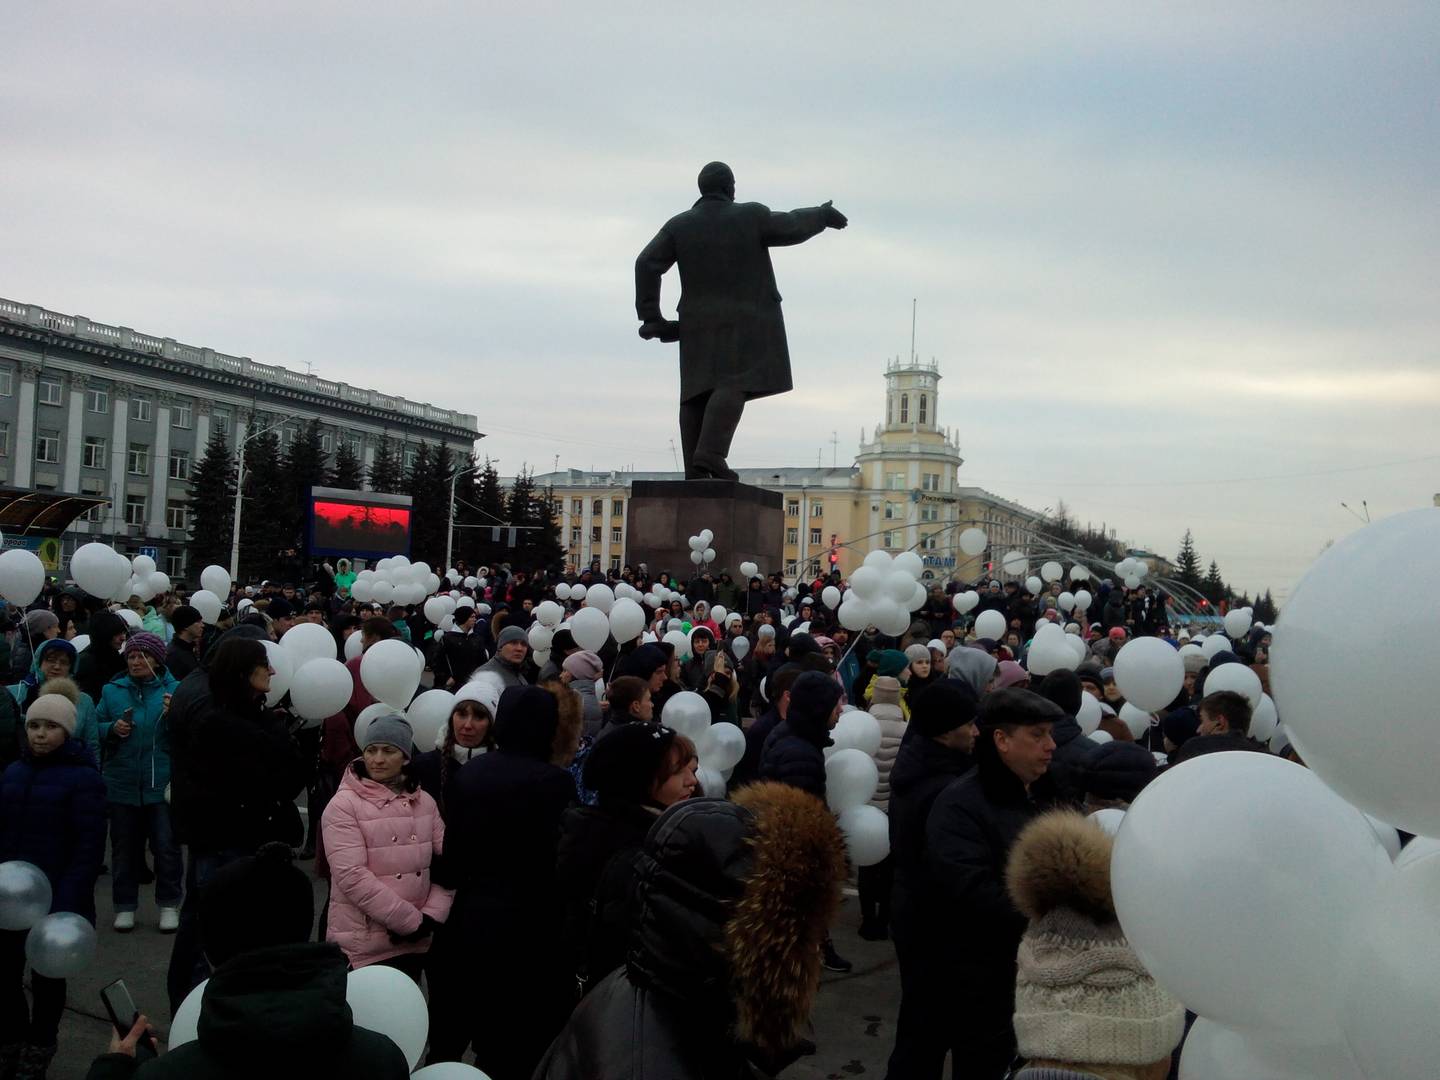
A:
(1062, 860)
(774, 936)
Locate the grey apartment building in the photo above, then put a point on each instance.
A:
(107, 411)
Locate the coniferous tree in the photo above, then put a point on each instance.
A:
(1187, 563)
(386, 469)
(212, 505)
(304, 468)
(429, 492)
(263, 524)
(1213, 587)
(487, 499)
(348, 473)
(1265, 609)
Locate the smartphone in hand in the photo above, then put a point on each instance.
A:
(123, 1013)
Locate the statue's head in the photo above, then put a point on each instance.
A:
(717, 179)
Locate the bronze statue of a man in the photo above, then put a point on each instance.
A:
(731, 332)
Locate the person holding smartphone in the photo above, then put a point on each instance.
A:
(52, 814)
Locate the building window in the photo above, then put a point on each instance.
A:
(930, 481)
(792, 507)
(182, 415)
(138, 461)
(892, 511)
(595, 534)
(175, 565)
(924, 407)
(895, 481)
(221, 420)
(575, 535)
(888, 540)
(928, 543)
(92, 454)
(7, 386)
(597, 508)
(410, 454)
(324, 442)
(577, 506)
(95, 514)
(929, 512)
(140, 409)
(792, 536)
(817, 510)
(179, 464)
(615, 536)
(356, 447)
(175, 515)
(617, 508)
(904, 408)
(134, 509)
(614, 562)
(50, 391)
(97, 399)
(814, 536)
(4, 439)
(47, 446)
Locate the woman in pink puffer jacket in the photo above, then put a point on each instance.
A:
(381, 835)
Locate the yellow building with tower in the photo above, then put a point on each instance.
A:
(902, 493)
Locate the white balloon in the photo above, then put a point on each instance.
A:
(1034, 585)
(600, 596)
(749, 570)
(1132, 581)
(389, 673)
(879, 560)
(382, 592)
(368, 715)
(1214, 1052)
(131, 619)
(362, 591)
(1015, 563)
(891, 618)
(60, 945)
(1066, 601)
(697, 557)
(707, 537)
(1149, 672)
(1079, 573)
(81, 642)
(990, 624)
(867, 833)
(1083, 600)
(562, 591)
(98, 569)
(1237, 623)
(966, 601)
(740, 646)
(1215, 643)
(854, 614)
(1108, 818)
(910, 563)
(282, 672)
(590, 627)
(1236, 677)
(216, 579)
(435, 610)
(708, 554)
(467, 601)
(1100, 738)
(973, 541)
(712, 782)
(1052, 571)
(1090, 714)
(851, 778)
(857, 730)
(308, 641)
(868, 583)
(142, 566)
(428, 714)
(1308, 855)
(185, 1026)
(1422, 847)
(899, 587)
(386, 1000)
(1388, 836)
(22, 576)
(321, 688)
(627, 620)
(25, 895)
(1136, 719)
(539, 636)
(721, 746)
(687, 713)
(355, 644)
(830, 597)
(473, 582)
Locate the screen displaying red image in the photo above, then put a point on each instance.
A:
(357, 528)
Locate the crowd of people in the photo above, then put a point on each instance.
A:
(551, 871)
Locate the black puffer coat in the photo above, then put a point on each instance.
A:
(794, 752)
(733, 900)
(1074, 752)
(272, 1012)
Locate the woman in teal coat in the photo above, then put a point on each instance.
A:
(135, 742)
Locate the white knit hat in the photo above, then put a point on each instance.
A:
(1082, 996)
(54, 707)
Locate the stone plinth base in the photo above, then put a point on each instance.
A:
(748, 523)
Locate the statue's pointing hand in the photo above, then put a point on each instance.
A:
(833, 218)
(663, 330)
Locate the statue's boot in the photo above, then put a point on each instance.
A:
(722, 417)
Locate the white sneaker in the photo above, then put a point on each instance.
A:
(125, 921)
(169, 920)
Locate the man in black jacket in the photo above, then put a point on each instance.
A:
(181, 658)
(1224, 725)
(968, 836)
(936, 749)
(461, 650)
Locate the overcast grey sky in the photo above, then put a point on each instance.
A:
(1178, 267)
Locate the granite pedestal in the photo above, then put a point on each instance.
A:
(748, 523)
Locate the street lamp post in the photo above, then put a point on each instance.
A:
(450, 516)
(239, 489)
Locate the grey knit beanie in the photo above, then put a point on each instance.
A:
(918, 652)
(393, 731)
(1082, 996)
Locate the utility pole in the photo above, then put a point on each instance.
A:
(834, 448)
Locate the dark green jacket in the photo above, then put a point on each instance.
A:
(276, 1012)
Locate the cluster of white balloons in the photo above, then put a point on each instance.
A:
(1131, 571)
(851, 777)
(59, 945)
(883, 592)
(471, 582)
(395, 580)
(1052, 649)
(381, 999)
(749, 570)
(700, 549)
(719, 746)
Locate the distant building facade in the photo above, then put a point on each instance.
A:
(902, 493)
(105, 410)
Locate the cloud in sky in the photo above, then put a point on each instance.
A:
(1178, 268)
